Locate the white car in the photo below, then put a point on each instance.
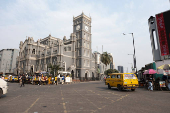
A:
(3, 87)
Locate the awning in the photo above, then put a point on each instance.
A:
(165, 66)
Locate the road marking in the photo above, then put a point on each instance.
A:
(31, 105)
(64, 105)
(88, 111)
(87, 100)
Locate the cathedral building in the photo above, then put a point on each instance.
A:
(74, 55)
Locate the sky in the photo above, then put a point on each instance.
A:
(110, 19)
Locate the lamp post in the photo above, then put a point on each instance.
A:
(131, 64)
(134, 57)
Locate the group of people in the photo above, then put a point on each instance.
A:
(152, 82)
(40, 79)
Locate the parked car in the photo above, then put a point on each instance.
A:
(14, 78)
(5, 77)
(3, 87)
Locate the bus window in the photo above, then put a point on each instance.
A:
(118, 76)
(113, 76)
(108, 77)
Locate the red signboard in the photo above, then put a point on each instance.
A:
(162, 34)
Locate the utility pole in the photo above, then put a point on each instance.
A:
(54, 72)
(102, 49)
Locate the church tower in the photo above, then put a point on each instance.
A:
(82, 29)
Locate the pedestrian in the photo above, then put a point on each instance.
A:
(20, 80)
(168, 82)
(39, 80)
(46, 79)
(63, 79)
(2, 77)
(33, 78)
(23, 80)
(150, 83)
(56, 80)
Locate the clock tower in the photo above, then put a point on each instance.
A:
(82, 29)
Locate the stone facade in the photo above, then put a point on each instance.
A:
(74, 54)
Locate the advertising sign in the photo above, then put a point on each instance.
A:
(68, 79)
(163, 27)
(129, 76)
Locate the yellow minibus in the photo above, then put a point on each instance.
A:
(122, 81)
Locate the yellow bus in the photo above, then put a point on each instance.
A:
(122, 81)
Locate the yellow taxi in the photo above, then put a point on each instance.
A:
(14, 78)
(122, 81)
(5, 77)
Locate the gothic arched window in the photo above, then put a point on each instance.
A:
(33, 51)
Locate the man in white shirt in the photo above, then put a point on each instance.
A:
(40, 80)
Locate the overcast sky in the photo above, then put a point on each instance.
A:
(110, 18)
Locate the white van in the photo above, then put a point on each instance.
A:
(3, 87)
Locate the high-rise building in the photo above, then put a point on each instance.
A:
(8, 58)
(120, 69)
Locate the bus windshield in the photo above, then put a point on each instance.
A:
(129, 76)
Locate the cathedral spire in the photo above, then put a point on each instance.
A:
(82, 13)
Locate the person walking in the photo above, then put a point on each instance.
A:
(56, 80)
(39, 80)
(23, 80)
(63, 79)
(20, 80)
(150, 83)
(3, 77)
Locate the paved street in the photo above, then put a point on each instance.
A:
(87, 97)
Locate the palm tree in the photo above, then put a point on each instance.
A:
(54, 68)
(111, 71)
(105, 58)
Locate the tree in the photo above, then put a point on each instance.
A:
(54, 68)
(111, 71)
(105, 58)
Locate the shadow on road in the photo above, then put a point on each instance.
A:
(113, 89)
(3, 96)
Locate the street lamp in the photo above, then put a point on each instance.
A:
(134, 57)
(131, 64)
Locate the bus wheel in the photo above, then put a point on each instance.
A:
(109, 86)
(132, 89)
(119, 87)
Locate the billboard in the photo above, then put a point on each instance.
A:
(163, 27)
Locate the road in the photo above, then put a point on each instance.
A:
(85, 97)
